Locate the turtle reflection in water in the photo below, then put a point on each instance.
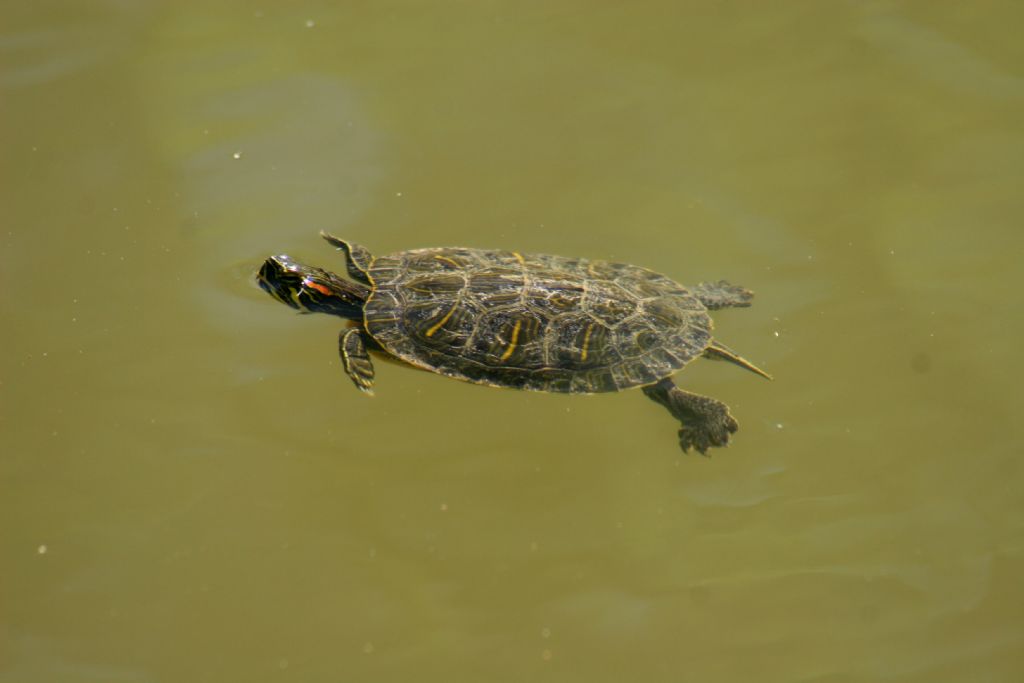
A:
(524, 321)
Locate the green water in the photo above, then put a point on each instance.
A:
(191, 490)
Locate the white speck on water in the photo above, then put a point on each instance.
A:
(42, 549)
(236, 155)
(310, 23)
(778, 425)
(398, 194)
(776, 333)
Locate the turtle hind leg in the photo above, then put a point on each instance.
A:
(705, 422)
(355, 359)
(721, 294)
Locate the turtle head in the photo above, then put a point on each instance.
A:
(311, 290)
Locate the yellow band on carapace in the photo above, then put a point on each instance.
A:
(442, 321)
(445, 258)
(586, 341)
(515, 339)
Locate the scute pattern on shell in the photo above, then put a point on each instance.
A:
(533, 321)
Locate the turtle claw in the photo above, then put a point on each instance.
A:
(713, 432)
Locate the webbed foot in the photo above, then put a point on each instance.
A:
(720, 294)
(705, 422)
(712, 431)
(355, 359)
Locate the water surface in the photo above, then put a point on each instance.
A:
(192, 490)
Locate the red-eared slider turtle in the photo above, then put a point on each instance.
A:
(525, 321)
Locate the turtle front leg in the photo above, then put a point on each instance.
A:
(706, 423)
(355, 359)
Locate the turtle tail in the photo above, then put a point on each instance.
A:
(717, 351)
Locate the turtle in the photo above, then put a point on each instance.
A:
(536, 322)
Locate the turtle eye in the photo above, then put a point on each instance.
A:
(278, 281)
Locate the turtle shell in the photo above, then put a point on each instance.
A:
(533, 321)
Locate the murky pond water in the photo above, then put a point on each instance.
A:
(193, 491)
